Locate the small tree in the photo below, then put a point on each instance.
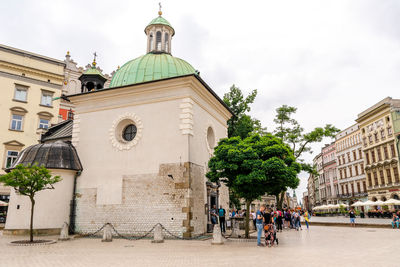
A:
(27, 181)
(293, 134)
(253, 167)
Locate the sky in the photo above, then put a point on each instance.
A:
(330, 59)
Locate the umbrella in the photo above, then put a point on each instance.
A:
(379, 203)
(369, 203)
(343, 205)
(358, 204)
(316, 208)
(392, 201)
(2, 203)
(331, 206)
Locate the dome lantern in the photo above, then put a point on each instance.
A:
(159, 34)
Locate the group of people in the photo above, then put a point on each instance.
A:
(265, 218)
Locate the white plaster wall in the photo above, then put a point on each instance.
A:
(105, 165)
(200, 152)
(52, 207)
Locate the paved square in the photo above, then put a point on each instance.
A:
(320, 246)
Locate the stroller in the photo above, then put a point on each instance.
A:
(270, 235)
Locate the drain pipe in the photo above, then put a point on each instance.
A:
(72, 211)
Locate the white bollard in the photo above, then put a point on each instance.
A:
(235, 228)
(64, 232)
(217, 236)
(107, 234)
(158, 235)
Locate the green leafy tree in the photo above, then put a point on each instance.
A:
(27, 181)
(241, 124)
(254, 166)
(294, 135)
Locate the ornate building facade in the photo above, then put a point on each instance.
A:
(350, 166)
(329, 173)
(381, 156)
(29, 82)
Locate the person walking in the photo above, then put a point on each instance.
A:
(221, 215)
(395, 220)
(287, 218)
(213, 215)
(259, 224)
(253, 217)
(352, 214)
(306, 216)
(279, 220)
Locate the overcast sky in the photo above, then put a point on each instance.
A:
(330, 59)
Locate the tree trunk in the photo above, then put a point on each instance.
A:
(246, 233)
(31, 226)
(279, 200)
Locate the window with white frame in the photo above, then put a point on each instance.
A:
(16, 122)
(43, 123)
(11, 156)
(46, 98)
(21, 93)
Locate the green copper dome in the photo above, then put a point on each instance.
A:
(160, 21)
(151, 67)
(93, 71)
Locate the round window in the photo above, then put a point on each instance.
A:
(129, 132)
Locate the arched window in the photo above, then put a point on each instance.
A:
(158, 41)
(166, 40)
(151, 42)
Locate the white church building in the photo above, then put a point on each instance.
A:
(136, 152)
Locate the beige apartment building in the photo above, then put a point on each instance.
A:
(28, 84)
(350, 166)
(379, 146)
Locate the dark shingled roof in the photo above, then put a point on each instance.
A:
(52, 155)
(62, 130)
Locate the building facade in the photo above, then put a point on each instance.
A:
(144, 144)
(350, 166)
(73, 85)
(29, 82)
(329, 173)
(310, 192)
(381, 156)
(317, 162)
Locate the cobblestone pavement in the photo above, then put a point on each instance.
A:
(342, 219)
(319, 246)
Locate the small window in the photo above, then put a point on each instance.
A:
(20, 93)
(151, 42)
(129, 132)
(16, 122)
(46, 98)
(10, 158)
(166, 41)
(158, 41)
(44, 124)
(70, 115)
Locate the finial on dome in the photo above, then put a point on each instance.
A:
(159, 11)
(94, 59)
(67, 53)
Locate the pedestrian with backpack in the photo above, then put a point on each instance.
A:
(221, 215)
